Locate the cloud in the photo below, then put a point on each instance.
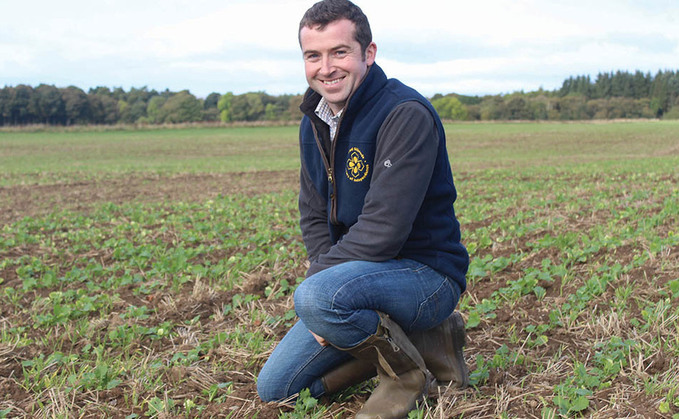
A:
(503, 23)
(531, 67)
(496, 46)
(265, 25)
(15, 57)
(482, 47)
(269, 75)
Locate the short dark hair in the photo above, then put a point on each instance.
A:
(328, 11)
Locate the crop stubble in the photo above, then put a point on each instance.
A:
(572, 293)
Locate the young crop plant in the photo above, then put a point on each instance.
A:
(134, 292)
(101, 377)
(613, 356)
(572, 396)
(157, 406)
(483, 310)
(306, 407)
(538, 331)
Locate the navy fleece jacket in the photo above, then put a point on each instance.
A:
(383, 188)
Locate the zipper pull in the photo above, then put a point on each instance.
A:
(393, 344)
(329, 176)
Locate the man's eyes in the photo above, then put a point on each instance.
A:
(313, 57)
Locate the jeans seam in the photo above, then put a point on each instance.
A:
(301, 368)
(420, 268)
(334, 296)
(444, 282)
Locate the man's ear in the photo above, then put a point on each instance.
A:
(370, 53)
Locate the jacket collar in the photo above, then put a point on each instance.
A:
(373, 82)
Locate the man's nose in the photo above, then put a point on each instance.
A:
(327, 65)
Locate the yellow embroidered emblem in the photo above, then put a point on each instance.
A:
(357, 168)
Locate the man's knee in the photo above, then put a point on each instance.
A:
(309, 299)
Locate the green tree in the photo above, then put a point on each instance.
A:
(20, 107)
(536, 107)
(133, 111)
(641, 84)
(602, 86)
(294, 112)
(598, 109)
(659, 94)
(122, 106)
(572, 107)
(211, 101)
(103, 106)
(248, 107)
(621, 84)
(450, 107)
(210, 110)
(136, 102)
(517, 108)
(76, 104)
(49, 105)
(182, 107)
(4, 106)
(154, 110)
(270, 113)
(493, 108)
(673, 89)
(225, 105)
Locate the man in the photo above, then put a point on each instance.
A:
(376, 201)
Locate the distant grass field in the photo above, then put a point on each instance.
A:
(49, 155)
(76, 154)
(166, 293)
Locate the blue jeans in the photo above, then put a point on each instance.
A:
(339, 304)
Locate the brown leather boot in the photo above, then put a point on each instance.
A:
(404, 378)
(350, 373)
(441, 348)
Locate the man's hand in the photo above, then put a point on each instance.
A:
(319, 339)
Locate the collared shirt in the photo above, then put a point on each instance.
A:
(324, 112)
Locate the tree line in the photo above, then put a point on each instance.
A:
(47, 104)
(609, 96)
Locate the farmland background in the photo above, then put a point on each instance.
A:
(150, 272)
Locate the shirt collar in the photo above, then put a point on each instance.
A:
(324, 112)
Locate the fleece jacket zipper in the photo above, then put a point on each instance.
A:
(329, 169)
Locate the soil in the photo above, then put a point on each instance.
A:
(21, 201)
(511, 389)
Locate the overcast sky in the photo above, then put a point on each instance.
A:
(471, 47)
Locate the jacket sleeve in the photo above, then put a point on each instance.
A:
(407, 146)
(313, 218)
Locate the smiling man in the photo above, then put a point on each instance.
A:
(376, 203)
(334, 62)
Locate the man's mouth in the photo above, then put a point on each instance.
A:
(332, 82)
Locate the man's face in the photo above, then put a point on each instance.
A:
(333, 61)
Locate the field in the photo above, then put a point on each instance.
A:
(149, 273)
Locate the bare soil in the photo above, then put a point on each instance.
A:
(512, 390)
(32, 200)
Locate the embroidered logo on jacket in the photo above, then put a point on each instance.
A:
(357, 168)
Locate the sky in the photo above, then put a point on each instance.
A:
(472, 47)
